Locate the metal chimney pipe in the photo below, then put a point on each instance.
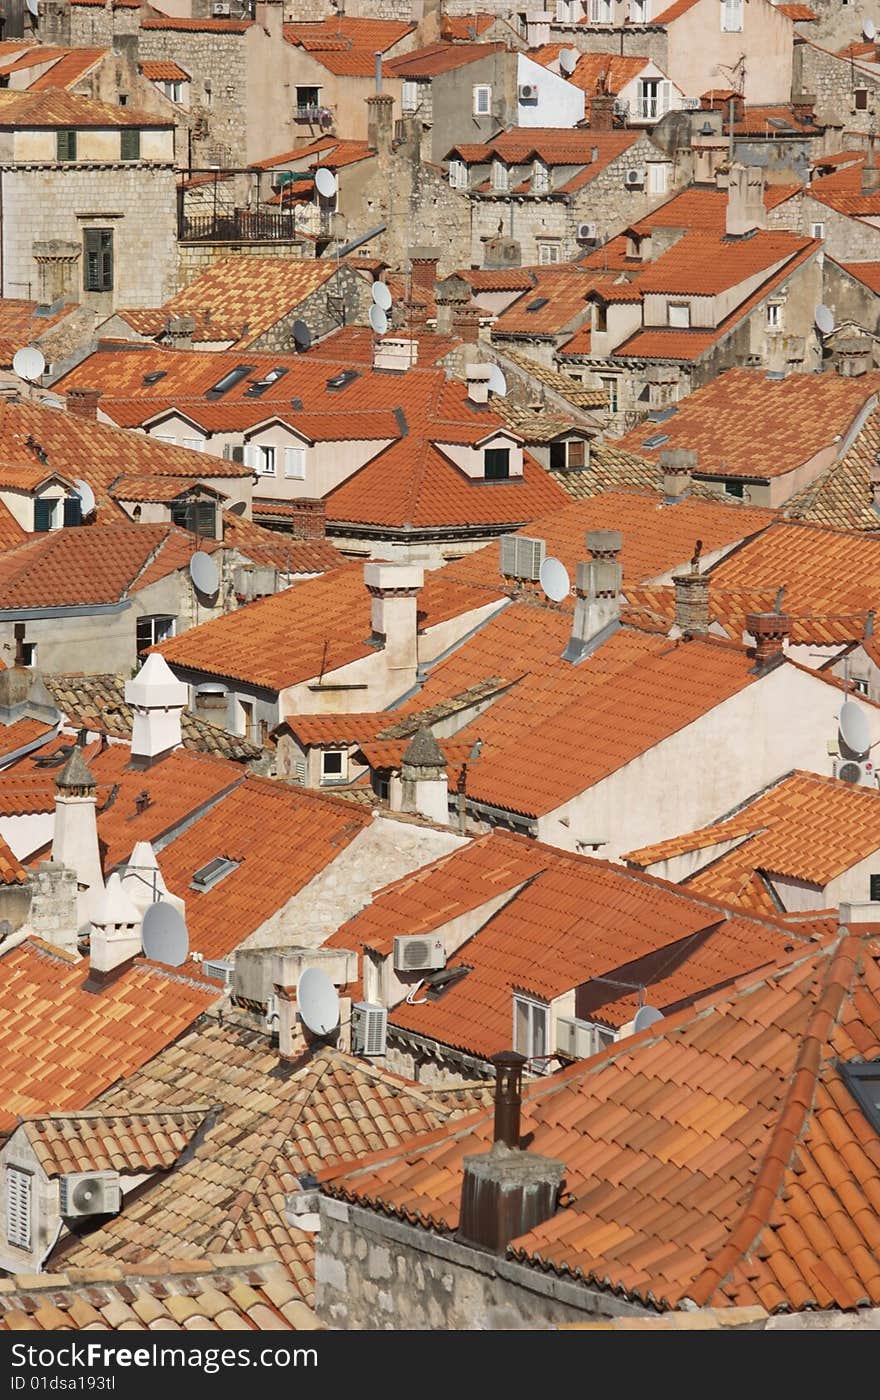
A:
(508, 1096)
(378, 57)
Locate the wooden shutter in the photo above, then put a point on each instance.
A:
(131, 143)
(18, 1207)
(43, 514)
(295, 462)
(73, 510)
(65, 145)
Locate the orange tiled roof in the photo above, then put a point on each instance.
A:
(52, 106)
(841, 496)
(121, 1142)
(62, 1045)
(743, 424)
(19, 325)
(69, 68)
(347, 32)
(868, 273)
(842, 190)
(554, 145)
(278, 550)
(728, 608)
(163, 71)
(557, 297)
(806, 827)
(438, 58)
(194, 26)
(465, 28)
(798, 13)
(703, 264)
(280, 836)
(729, 1166)
(823, 571)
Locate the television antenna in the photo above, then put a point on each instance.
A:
(86, 496)
(644, 1017)
(496, 382)
(318, 1001)
(325, 182)
(29, 362)
(164, 935)
(854, 728)
(381, 296)
(302, 336)
(554, 579)
(378, 320)
(203, 572)
(824, 319)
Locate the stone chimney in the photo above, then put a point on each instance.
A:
(75, 836)
(270, 15)
(770, 631)
(450, 296)
(478, 382)
(745, 200)
(394, 590)
(116, 931)
(423, 778)
(855, 355)
(803, 106)
(691, 602)
(83, 402)
(380, 122)
(602, 111)
(180, 332)
(870, 172)
(677, 465)
(506, 1192)
(423, 263)
(157, 699)
(54, 908)
(597, 593)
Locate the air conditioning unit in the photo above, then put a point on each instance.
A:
(220, 9)
(588, 233)
(690, 104)
(221, 971)
(522, 557)
(369, 1028)
(634, 177)
(576, 1039)
(527, 92)
(849, 770)
(90, 1193)
(416, 953)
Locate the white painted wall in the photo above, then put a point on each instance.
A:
(559, 102)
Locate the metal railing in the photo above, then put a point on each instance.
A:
(238, 225)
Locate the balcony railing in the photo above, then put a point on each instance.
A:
(315, 116)
(239, 226)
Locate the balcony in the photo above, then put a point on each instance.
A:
(239, 226)
(314, 116)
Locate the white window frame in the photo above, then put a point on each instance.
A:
(482, 96)
(817, 230)
(860, 685)
(678, 315)
(602, 11)
(732, 16)
(166, 632)
(649, 98)
(500, 176)
(534, 1010)
(658, 177)
(257, 457)
(409, 97)
(611, 386)
(295, 463)
(174, 90)
(549, 254)
(342, 775)
(458, 174)
(774, 315)
(19, 1207)
(540, 178)
(29, 653)
(639, 11)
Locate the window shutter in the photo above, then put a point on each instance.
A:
(43, 514)
(131, 143)
(65, 146)
(251, 456)
(73, 511)
(18, 1207)
(295, 463)
(106, 262)
(665, 98)
(205, 519)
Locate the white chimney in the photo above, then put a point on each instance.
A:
(116, 929)
(395, 353)
(144, 883)
(75, 837)
(158, 700)
(478, 377)
(597, 592)
(394, 589)
(745, 200)
(424, 779)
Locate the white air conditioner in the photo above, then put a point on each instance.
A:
(588, 233)
(576, 1039)
(220, 9)
(690, 104)
(522, 556)
(369, 1028)
(90, 1193)
(417, 953)
(221, 971)
(527, 92)
(634, 177)
(849, 770)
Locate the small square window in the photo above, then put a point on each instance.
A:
(549, 253)
(333, 765)
(482, 100)
(679, 314)
(496, 463)
(774, 316)
(860, 97)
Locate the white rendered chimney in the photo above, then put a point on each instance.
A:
(478, 377)
(75, 836)
(157, 699)
(597, 591)
(116, 929)
(394, 590)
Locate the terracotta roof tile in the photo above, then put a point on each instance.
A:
(823, 571)
(279, 550)
(53, 106)
(438, 58)
(90, 565)
(122, 1142)
(163, 71)
(558, 297)
(841, 495)
(69, 68)
(195, 26)
(20, 325)
(703, 264)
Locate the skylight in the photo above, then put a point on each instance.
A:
(229, 381)
(212, 873)
(656, 441)
(260, 386)
(863, 1081)
(537, 303)
(155, 376)
(341, 381)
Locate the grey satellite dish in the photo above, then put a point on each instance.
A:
(869, 29)
(496, 382)
(28, 362)
(824, 320)
(325, 182)
(568, 60)
(318, 1001)
(854, 729)
(164, 935)
(203, 572)
(33, 7)
(378, 320)
(554, 579)
(302, 336)
(86, 496)
(381, 296)
(644, 1017)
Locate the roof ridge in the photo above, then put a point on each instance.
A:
(844, 957)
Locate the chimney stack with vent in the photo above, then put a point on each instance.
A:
(677, 465)
(423, 778)
(478, 382)
(180, 331)
(394, 590)
(745, 200)
(380, 122)
(423, 267)
(870, 172)
(855, 355)
(75, 837)
(83, 402)
(506, 1192)
(157, 699)
(770, 631)
(597, 593)
(691, 602)
(602, 111)
(116, 931)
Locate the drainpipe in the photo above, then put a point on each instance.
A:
(378, 58)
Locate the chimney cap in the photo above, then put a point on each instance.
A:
(76, 775)
(604, 541)
(423, 751)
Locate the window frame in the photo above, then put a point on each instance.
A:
(496, 474)
(548, 247)
(65, 145)
(130, 143)
(532, 1008)
(342, 775)
(611, 384)
(680, 307)
(732, 16)
(774, 315)
(22, 1241)
(154, 639)
(478, 89)
(290, 453)
(102, 248)
(409, 97)
(874, 889)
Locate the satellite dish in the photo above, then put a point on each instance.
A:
(325, 182)
(318, 1001)
(203, 572)
(33, 7)
(554, 579)
(496, 382)
(568, 60)
(164, 935)
(644, 1017)
(302, 336)
(869, 29)
(854, 728)
(378, 320)
(381, 296)
(28, 362)
(824, 320)
(86, 496)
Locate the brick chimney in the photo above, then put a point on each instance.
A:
(83, 402)
(691, 602)
(466, 323)
(309, 518)
(770, 631)
(506, 1192)
(380, 122)
(423, 263)
(602, 111)
(597, 592)
(677, 465)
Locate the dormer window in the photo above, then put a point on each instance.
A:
(496, 463)
(334, 766)
(540, 178)
(500, 175)
(531, 1030)
(679, 315)
(199, 517)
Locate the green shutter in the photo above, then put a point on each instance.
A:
(43, 514)
(131, 143)
(98, 249)
(66, 145)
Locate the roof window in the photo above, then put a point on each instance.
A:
(342, 381)
(863, 1081)
(537, 303)
(229, 381)
(212, 873)
(657, 440)
(154, 376)
(259, 386)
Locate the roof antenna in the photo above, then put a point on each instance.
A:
(777, 606)
(695, 561)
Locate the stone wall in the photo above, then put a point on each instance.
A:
(846, 239)
(219, 97)
(850, 300)
(832, 80)
(195, 258)
(839, 23)
(373, 1273)
(43, 202)
(344, 300)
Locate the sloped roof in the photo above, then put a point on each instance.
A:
(841, 495)
(90, 565)
(54, 106)
(823, 571)
(439, 58)
(121, 1142)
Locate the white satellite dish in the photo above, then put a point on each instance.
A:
(378, 320)
(644, 1017)
(568, 60)
(824, 320)
(33, 7)
(325, 182)
(496, 382)
(869, 29)
(381, 296)
(28, 362)
(86, 496)
(854, 729)
(164, 935)
(203, 572)
(318, 1001)
(302, 336)
(554, 579)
